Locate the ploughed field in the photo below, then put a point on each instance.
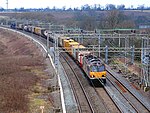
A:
(23, 76)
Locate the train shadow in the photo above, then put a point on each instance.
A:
(96, 83)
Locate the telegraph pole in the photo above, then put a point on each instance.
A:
(132, 54)
(125, 57)
(47, 44)
(99, 42)
(7, 5)
(106, 54)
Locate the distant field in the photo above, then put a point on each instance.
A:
(139, 10)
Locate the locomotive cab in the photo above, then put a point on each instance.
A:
(98, 72)
(94, 68)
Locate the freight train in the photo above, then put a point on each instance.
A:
(92, 65)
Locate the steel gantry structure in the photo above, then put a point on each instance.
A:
(126, 47)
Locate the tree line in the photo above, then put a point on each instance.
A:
(86, 7)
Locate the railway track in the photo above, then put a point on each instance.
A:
(88, 101)
(106, 99)
(96, 104)
(83, 102)
(123, 97)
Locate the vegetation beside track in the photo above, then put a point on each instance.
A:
(22, 77)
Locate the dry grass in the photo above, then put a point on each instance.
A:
(20, 68)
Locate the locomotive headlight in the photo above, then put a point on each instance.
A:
(93, 76)
(103, 75)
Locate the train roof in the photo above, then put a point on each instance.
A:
(73, 42)
(64, 37)
(68, 40)
(39, 28)
(96, 63)
(90, 56)
(78, 47)
(93, 60)
(82, 53)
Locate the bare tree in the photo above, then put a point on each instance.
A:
(117, 19)
(112, 18)
(110, 7)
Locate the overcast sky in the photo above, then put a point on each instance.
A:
(68, 3)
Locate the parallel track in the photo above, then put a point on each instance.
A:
(132, 100)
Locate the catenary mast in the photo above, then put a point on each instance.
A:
(7, 5)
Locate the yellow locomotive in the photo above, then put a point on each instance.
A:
(94, 68)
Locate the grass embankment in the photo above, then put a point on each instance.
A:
(22, 78)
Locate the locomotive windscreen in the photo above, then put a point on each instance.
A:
(101, 68)
(95, 68)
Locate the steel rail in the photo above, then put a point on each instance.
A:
(86, 95)
(146, 107)
(124, 98)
